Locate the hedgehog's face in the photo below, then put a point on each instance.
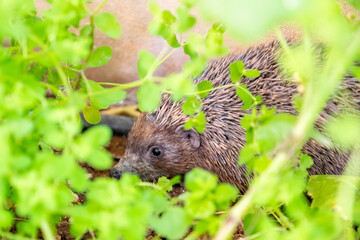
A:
(153, 152)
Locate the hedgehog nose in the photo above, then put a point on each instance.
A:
(115, 173)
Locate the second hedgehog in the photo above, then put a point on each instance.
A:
(159, 146)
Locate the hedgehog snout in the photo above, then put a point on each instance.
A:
(115, 173)
(120, 168)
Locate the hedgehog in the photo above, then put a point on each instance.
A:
(159, 146)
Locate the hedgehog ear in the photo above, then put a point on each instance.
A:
(192, 135)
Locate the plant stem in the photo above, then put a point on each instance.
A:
(55, 61)
(88, 89)
(157, 62)
(118, 87)
(72, 69)
(62, 75)
(123, 85)
(91, 47)
(284, 221)
(166, 57)
(54, 89)
(46, 230)
(99, 7)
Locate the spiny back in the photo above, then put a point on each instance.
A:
(218, 102)
(223, 137)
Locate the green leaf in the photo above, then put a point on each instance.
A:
(100, 159)
(323, 189)
(344, 130)
(194, 44)
(200, 180)
(166, 184)
(54, 79)
(70, 74)
(173, 223)
(196, 66)
(154, 8)
(189, 3)
(162, 25)
(71, 50)
(200, 208)
(305, 162)
(218, 26)
(85, 31)
(146, 60)
(78, 179)
(6, 218)
(258, 100)
(179, 85)
(199, 122)
(248, 154)
(97, 135)
(172, 40)
(38, 71)
(204, 86)
(185, 21)
(56, 138)
(245, 95)
(253, 73)
(191, 106)
(236, 71)
(168, 17)
(275, 130)
(149, 96)
(209, 225)
(214, 42)
(91, 115)
(88, 147)
(100, 56)
(225, 194)
(102, 98)
(20, 128)
(108, 24)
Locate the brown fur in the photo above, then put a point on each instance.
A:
(224, 137)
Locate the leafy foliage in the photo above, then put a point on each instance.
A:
(100, 56)
(108, 24)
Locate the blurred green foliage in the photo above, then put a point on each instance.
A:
(42, 141)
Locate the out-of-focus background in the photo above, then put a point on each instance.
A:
(134, 17)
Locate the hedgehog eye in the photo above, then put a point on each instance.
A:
(156, 151)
